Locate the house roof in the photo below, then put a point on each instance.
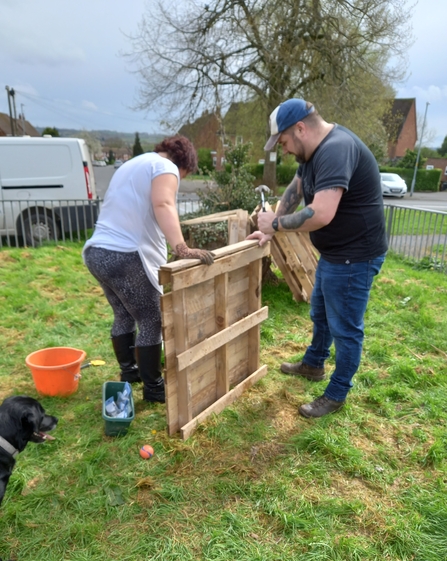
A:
(395, 119)
(5, 127)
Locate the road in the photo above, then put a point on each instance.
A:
(188, 190)
(103, 175)
(425, 201)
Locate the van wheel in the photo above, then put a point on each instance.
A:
(38, 228)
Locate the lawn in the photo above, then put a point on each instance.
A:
(255, 483)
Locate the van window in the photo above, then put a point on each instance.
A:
(24, 163)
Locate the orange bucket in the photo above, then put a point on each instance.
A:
(56, 371)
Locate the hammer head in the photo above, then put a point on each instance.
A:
(262, 189)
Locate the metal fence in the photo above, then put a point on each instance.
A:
(31, 222)
(414, 233)
(417, 234)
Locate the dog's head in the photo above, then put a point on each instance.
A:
(23, 420)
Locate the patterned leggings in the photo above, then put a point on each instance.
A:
(129, 291)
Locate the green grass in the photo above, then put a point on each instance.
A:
(255, 483)
(411, 222)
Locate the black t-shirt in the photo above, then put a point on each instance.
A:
(357, 231)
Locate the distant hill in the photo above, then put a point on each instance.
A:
(104, 135)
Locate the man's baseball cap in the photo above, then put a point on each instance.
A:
(284, 116)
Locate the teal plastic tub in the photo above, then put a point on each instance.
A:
(113, 426)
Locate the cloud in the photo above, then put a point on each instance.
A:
(432, 93)
(89, 105)
(34, 45)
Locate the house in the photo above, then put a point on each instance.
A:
(401, 126)
(22, 127)
(438, 163)
(243, 122)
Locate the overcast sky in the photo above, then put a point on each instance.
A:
(63, 59)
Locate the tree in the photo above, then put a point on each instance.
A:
(429, 134)
(193, 56)
(137, 148)
(429, 152)
(409, 160)
(52, 131)
(443, 149)
(93, 144)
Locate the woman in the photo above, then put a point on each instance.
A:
(128, 247)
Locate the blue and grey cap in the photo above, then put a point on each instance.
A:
(284, 116)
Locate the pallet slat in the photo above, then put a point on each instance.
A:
(211, 333)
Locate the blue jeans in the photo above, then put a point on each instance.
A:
(338, 306)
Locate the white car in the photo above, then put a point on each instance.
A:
(118, 164)
(393, 185)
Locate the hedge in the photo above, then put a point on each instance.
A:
(284, 174)
(426, 179)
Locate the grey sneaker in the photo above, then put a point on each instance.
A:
(304, 370)
(320, 407)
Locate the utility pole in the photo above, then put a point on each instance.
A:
(8, 92)
(413, 183)
(22, 115)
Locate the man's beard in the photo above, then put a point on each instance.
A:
(300, 155)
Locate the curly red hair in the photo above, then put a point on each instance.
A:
(180, 150)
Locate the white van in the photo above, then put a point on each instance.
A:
(47, 188)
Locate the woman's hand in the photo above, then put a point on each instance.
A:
(184, 252)
(258, 235)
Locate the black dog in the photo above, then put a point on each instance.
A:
(22, 420)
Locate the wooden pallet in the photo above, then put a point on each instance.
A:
(238, 224)
(211, 330)
(296, 258)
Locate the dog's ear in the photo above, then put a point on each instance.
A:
(31, 420)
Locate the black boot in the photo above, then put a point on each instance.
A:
(149, 365)
(124, 348)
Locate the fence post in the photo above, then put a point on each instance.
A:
(389, 222)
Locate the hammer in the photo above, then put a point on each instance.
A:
(262, 189)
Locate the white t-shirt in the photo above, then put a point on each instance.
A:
(127, 221)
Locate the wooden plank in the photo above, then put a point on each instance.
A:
(233, 229)
(218, 406)
(166, 270)
(244, 229)
(221, 315)
(254, 303)
(190, 356)
(293, 262)
(190, 277)
(215, 217)
(181, 344)
(290, 279)
(300, 249)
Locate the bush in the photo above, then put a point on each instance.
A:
(234, 184)
(284, 172)
(205, 160)
(426, 179)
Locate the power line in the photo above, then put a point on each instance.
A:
(67, 111)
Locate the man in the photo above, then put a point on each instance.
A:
(339, 180)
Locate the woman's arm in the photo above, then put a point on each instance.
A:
(163, 198)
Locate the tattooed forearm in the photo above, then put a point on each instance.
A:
(294, 221)
(290, 199)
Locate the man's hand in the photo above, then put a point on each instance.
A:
(265, 220)
(184, 252)
(263, 238)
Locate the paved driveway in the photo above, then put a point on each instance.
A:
(425, 201)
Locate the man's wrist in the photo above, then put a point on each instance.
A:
(275, 224)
